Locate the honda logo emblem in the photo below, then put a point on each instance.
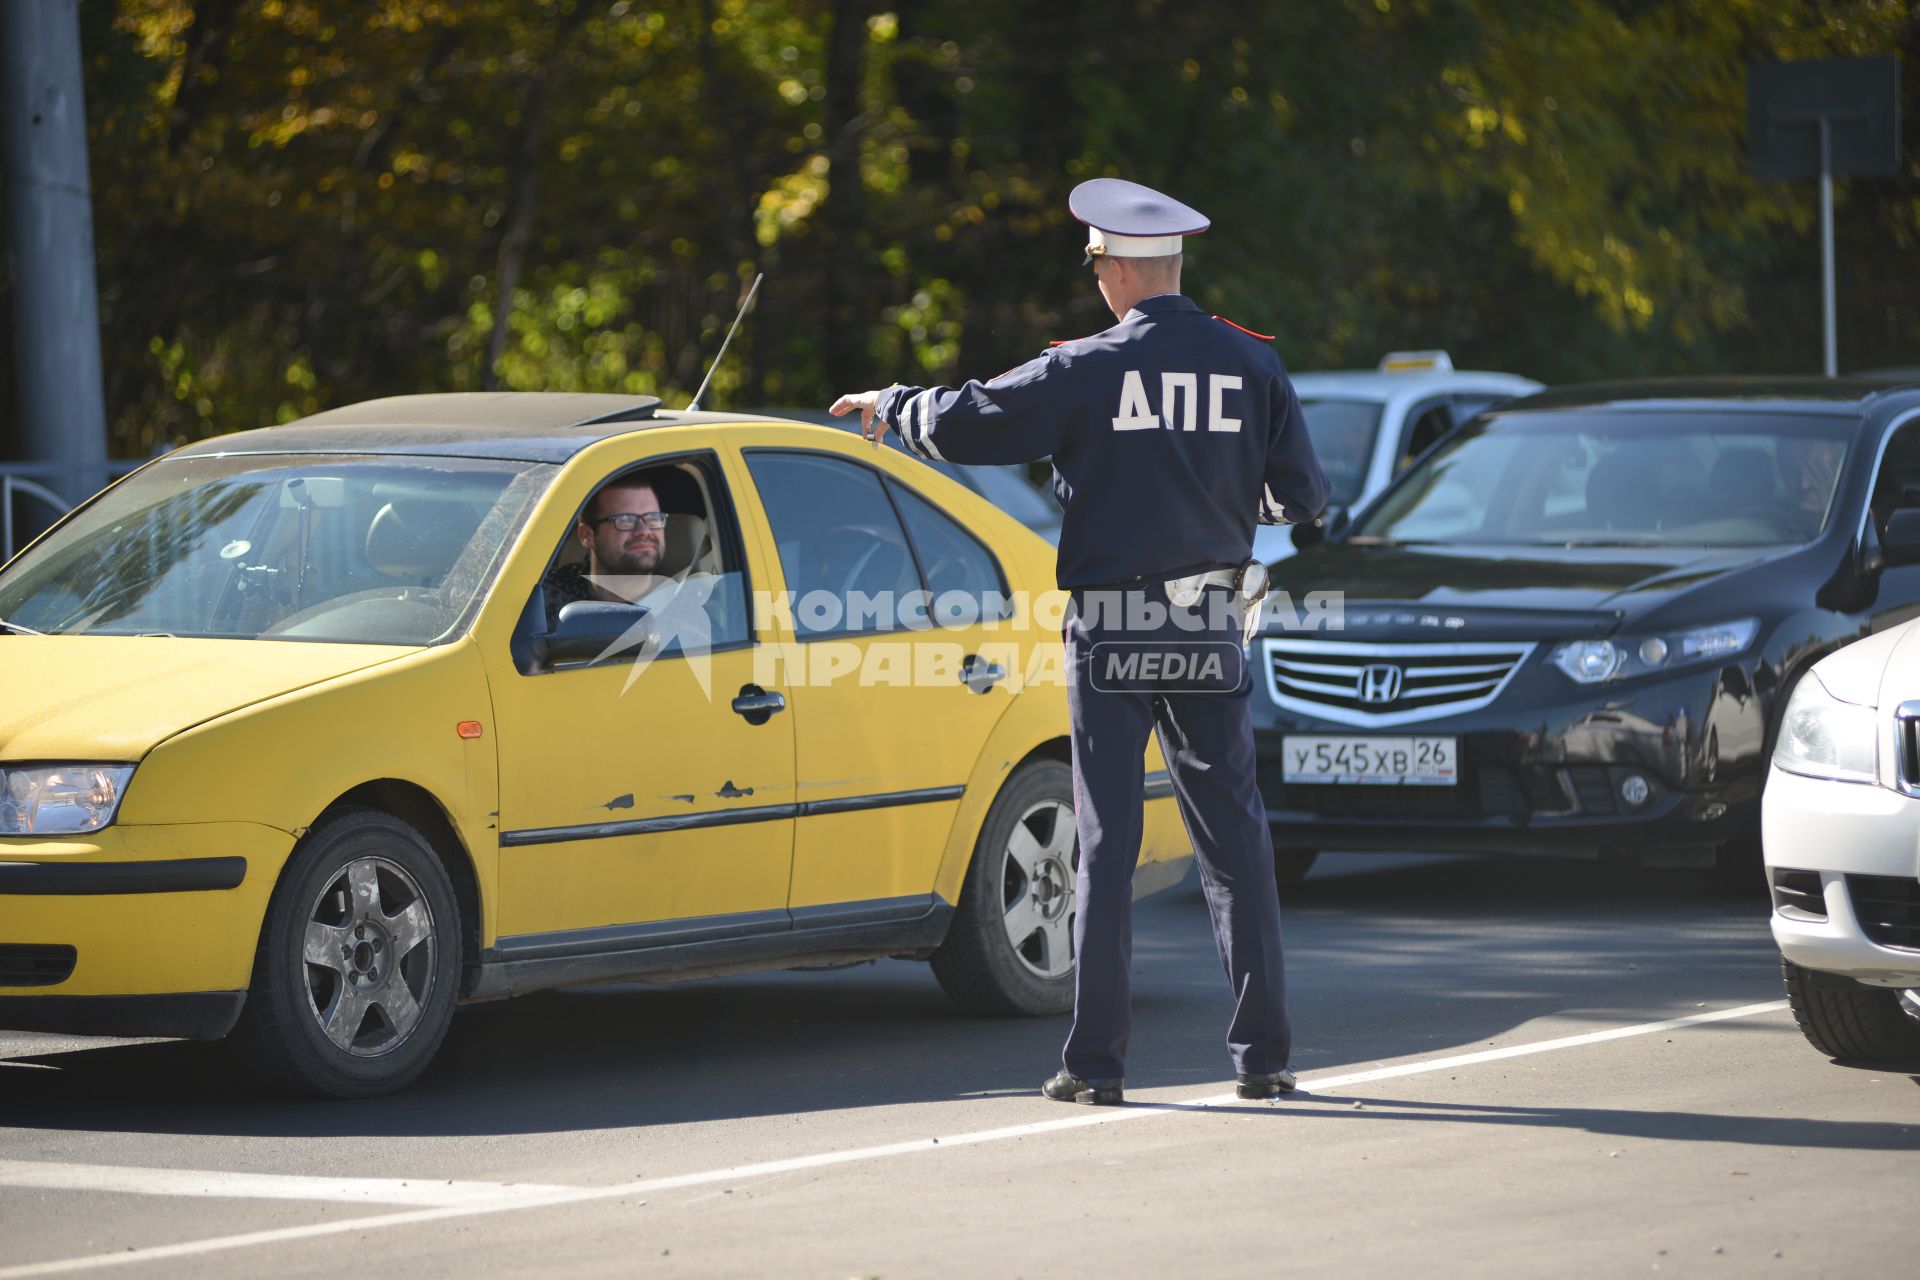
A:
(1379, 683)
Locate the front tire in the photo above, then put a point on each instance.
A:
(1010, 948)
(1863, 1024)
(358, 968)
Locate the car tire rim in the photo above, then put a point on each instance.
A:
(1910, 1003)
(368, 957)
(1039, 894)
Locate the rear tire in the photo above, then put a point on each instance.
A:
(1290, 866)
(358, 967)
(1010, 948)
(1862, 1024)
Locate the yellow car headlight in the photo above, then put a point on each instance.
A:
(60, 799)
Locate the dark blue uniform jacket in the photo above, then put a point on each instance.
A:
(1172, 434)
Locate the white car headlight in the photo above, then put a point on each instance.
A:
(1596, 661)
(60, 799)
(1823, 737)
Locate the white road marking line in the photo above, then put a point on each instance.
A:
(1543, 1046)
(260, 1186)
(737, 1173)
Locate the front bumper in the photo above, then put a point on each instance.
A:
(1543, 770)
(93, 927)
(1862, 842)
(199, 1015)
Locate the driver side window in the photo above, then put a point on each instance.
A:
(659, 535)
(848, 565)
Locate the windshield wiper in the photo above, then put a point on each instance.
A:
(17, 629)
(1617, 542)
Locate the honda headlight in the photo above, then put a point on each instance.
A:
(1596, 661)
(1823, 737)
(60, 799)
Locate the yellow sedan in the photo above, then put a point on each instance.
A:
(309, 734)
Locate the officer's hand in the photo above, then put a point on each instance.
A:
(872, 428)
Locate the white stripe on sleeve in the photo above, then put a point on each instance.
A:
(926, 430)
(1275, 512)
(904, 425)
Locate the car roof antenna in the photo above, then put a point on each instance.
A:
(738, 317)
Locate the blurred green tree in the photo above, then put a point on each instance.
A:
(304, 202)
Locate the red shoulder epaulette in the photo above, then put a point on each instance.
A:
(1264, 337)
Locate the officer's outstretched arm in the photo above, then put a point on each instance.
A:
(1019, 416)
(1294, 490)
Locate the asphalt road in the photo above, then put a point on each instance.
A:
(1518, 1069)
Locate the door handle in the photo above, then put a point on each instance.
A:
(980, 675)
(756, 705)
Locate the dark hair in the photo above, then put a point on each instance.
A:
(638, 480)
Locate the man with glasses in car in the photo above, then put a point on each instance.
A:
(624, 532)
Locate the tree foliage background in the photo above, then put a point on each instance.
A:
(301, 203)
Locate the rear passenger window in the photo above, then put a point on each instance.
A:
(951, 559)
(845, 556)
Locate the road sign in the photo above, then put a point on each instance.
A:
(1858, 98)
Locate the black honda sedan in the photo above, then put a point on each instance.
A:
(1570, 628)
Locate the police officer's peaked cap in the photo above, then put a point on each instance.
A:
(1127, 220)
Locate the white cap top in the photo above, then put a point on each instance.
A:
(1127, 220)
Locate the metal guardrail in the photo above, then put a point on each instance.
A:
(26, 479)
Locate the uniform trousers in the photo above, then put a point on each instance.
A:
(1206, 736)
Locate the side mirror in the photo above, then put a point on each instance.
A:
(1900, 544)
(1331, 524)
(586, 629)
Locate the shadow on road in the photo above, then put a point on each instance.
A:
(1388, 957)
(1667, 1126)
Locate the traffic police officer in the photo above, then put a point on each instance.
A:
(1171, 434)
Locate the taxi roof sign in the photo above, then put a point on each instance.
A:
(1416, 362)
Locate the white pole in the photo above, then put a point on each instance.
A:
(1826, 244)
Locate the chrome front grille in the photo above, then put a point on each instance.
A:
(1906, 744)
(1359, 683)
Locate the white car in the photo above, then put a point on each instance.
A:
(1368, 424)
(1841, 831)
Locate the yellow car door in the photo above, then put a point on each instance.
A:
(646, 800)
(892, 705)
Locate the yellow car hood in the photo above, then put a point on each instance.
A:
(114, 698)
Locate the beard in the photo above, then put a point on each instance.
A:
(641, 558)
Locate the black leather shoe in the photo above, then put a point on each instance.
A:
(1276, 1084)
(1067, 1087)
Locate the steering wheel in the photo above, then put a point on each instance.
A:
(875, 539)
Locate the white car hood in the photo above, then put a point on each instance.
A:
(1857, 672)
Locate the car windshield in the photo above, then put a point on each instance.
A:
(367, 550)
(1699, 478)
(1343, 432)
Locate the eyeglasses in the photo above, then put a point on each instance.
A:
(628, 521)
